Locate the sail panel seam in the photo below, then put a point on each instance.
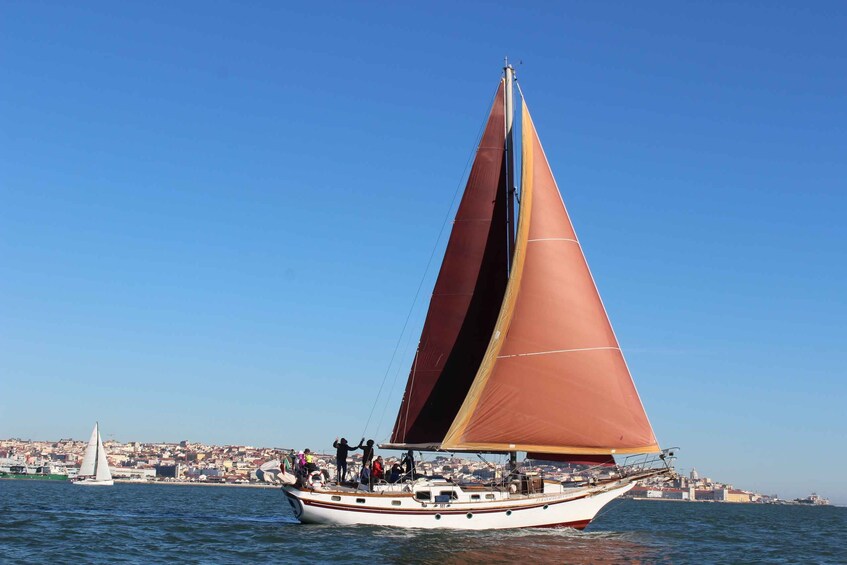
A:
(559, 351)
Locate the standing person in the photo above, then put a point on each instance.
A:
(367, 452)
(300, 467)
(342, 450)
(409, 464)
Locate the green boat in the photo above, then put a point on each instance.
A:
(38, 473)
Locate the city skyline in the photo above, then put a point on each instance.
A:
(216, 218)
(233, 464)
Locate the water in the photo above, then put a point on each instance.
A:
(135, 523)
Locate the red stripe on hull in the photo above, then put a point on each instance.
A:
(579, 525)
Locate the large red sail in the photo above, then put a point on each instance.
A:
(466, 299)
(553, 379)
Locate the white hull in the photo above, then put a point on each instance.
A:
(94, 483)
(573, 508)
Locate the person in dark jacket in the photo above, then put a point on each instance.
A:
(342, 450)
(396, 472)
(408, 463)
(367, 452)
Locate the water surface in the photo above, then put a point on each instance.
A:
(138, 523)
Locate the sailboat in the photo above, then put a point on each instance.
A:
(94, 470)
(516, 354)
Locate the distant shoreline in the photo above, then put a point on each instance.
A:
(196, 484)
(781, 503)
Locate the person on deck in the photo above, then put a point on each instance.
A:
(300, 467)
(311, 465)
(409, 464)
(365, 479)
(367, 452)
(396, 472)
(342, 450)
(377, 471)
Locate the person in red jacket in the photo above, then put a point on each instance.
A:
(377, 471)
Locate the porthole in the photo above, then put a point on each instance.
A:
(545, 507)
(469, 515)
(336, 499)
(360, 501)
(395, 503)
(438, 516)
(508, 512)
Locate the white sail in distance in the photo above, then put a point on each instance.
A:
(102, 472)
(90, 457)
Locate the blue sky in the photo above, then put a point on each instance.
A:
(215, 216)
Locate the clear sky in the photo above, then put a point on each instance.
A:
(214, 216)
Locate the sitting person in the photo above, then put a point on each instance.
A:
(365, 479)
(378, 471)
(311, 464)
(396, 472)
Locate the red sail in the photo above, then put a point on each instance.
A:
(553, 379)
(466, 299)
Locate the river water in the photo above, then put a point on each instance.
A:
(58, 522)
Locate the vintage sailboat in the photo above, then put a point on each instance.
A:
(94, 470)
(516, 355)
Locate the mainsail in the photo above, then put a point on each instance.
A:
(466, 297)
(553, 379)
(90, 457)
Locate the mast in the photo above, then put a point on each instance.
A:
(509, 71)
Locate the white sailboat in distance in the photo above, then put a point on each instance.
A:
(94, 470)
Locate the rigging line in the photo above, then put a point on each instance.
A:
(431, 256)
(411, 386)
(393, 383)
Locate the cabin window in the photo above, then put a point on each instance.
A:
(336, 499)
(395, 503)
(360, 501)
(489, 496)
(474, 497)
(451, 493)
(422, 495)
